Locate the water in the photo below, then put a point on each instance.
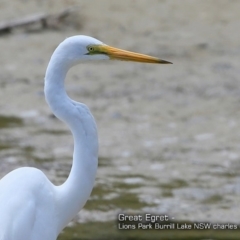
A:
(119, 187)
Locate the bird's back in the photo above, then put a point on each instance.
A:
(27, 206)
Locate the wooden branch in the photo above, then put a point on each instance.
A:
(45, 20)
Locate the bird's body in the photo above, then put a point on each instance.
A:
(31, 207)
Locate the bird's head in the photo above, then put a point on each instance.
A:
(77, 48)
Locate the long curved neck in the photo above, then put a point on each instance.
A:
(73, 194)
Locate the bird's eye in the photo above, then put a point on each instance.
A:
(90, 48)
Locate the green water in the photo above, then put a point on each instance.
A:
(112, 194)
(10, 122)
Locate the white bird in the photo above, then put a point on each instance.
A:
(31, 207)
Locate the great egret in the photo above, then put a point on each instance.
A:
(31, 207)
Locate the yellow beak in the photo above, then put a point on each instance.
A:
(119, 54)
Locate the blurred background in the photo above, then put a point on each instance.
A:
(169, 134)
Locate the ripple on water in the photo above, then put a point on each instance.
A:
(10, 121)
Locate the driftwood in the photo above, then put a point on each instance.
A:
(42, 19)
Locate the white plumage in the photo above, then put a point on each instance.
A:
(31, 207)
